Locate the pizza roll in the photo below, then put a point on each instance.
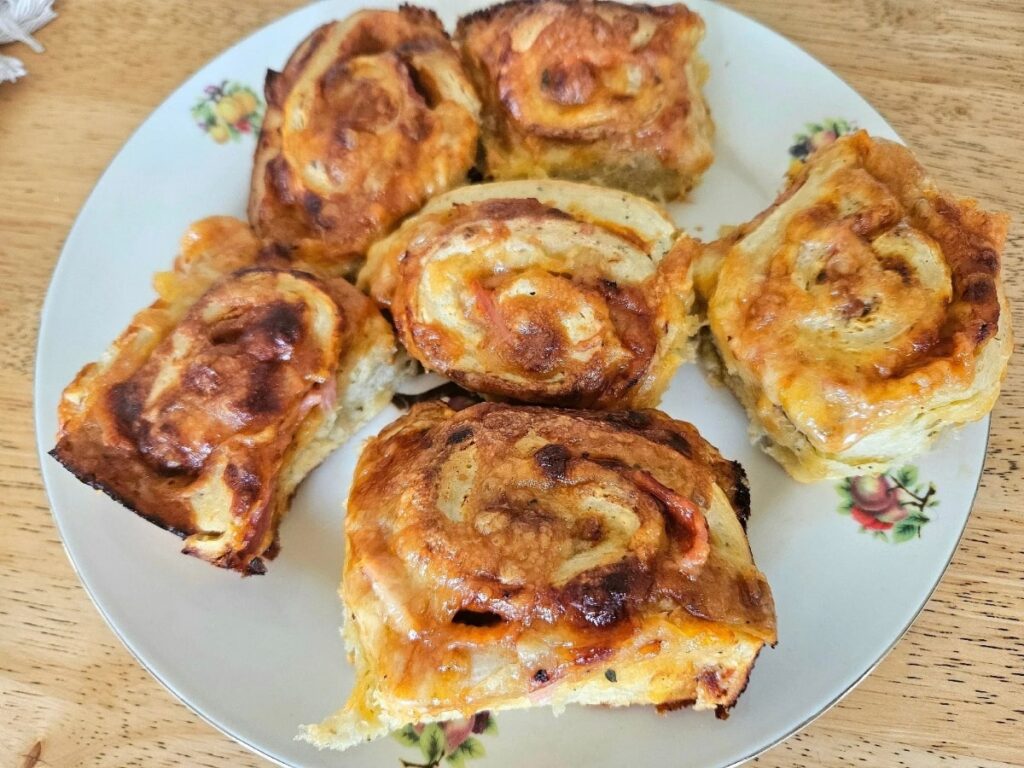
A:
(501, 557)
(861, 313)
(216, 401)
(371, 117)
(603, 92)
(541, 291)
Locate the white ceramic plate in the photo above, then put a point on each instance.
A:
(258, 656)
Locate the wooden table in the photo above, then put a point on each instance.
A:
(948, 76)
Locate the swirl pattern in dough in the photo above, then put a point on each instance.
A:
(603, 92)
(215, 402)
(546, 292)
(370, 118)
(861, 313)
(500, 557)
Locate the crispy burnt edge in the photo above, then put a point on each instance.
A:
(254, 566)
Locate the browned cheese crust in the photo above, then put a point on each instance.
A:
(545, 292)
(862, 312)
(198, 413)
(603, 92)
(370, 118)
(506, 556)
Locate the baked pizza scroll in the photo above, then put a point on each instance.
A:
(861, 313)
(545, 292)
(370, 118)
(501, 557)
(216, 401)
(603, 92)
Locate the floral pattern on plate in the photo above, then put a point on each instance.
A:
(817, 135)
(454, 742)
(891, 506)
(228, 111)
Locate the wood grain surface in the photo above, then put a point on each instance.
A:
(949, 77)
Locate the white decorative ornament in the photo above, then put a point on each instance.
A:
(18, 20)
(10, 69)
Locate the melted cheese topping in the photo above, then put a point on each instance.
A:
(371, 117)
(545, 292)
(862, 304)
(502, 557)
(210, 408)
(597, 91)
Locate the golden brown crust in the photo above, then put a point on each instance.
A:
(370, 117)
(545, 292)
(862, 312)
(196, 415)
(595, 91)
(506, 554)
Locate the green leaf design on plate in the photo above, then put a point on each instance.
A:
(845, 496)
(408, 736)
(904, 532)
(907, 476)
(432, 743)
(469, 749)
